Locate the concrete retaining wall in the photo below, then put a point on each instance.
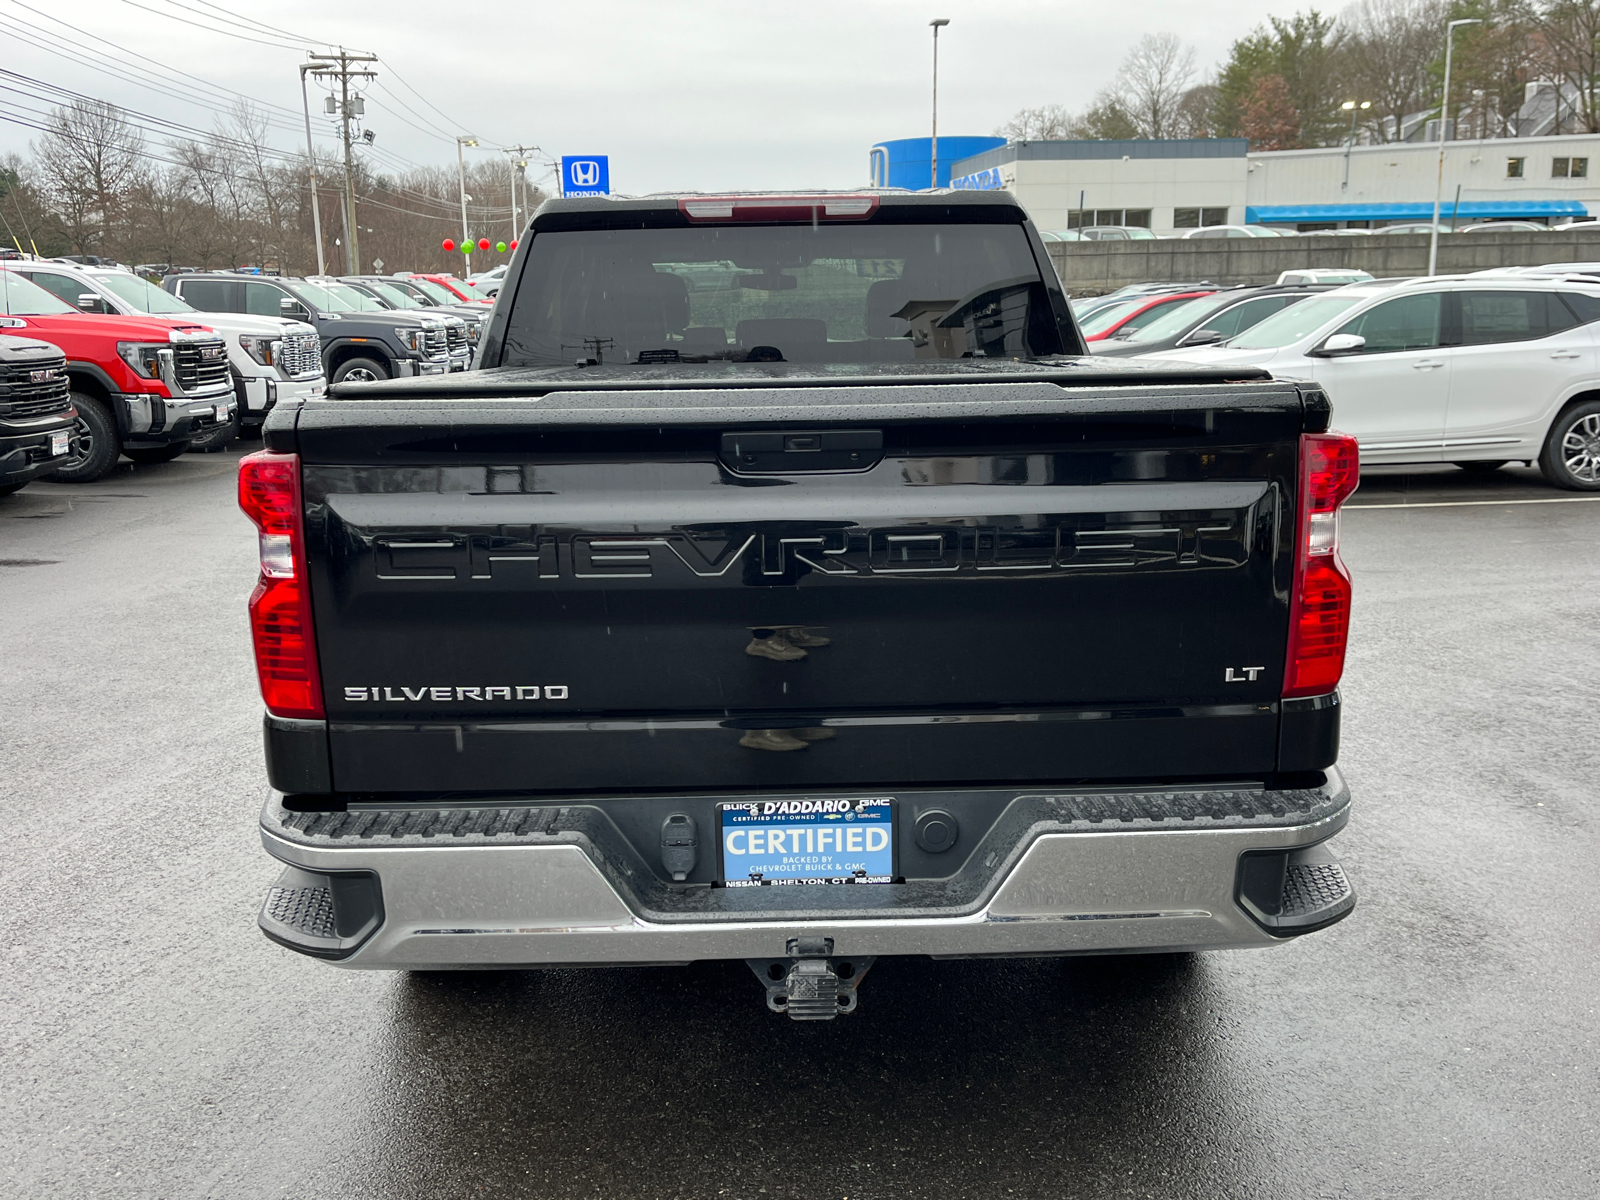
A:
(1090, 268)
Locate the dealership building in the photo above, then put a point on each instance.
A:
(1174, 185)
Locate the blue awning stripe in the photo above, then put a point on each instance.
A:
(1266, 214)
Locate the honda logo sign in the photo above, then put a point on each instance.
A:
(585, 175)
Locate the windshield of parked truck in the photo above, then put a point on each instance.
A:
(470, 291)
(335, 297)
(1105, 318)
(21, 297)
(1293, 323)
(1178, 318)
(143, 295)
(396, 296)
(436, 292)
(822, 293)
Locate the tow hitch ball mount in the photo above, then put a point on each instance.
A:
(811, 984)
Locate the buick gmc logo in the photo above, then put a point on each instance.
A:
(210, 351)
(527, 554)
(49, 374)
(585, 172)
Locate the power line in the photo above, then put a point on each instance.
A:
(119, 63)
(254, 26)
(156, 12)
(223, 104)
(261, 25)
(448, 119)
(433, 128)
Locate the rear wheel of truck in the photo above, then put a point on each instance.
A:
(1571, 455)
(215, 438)
(157, 454)
(359, 370)
(93, 447)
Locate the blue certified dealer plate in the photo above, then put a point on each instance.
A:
(769, 842)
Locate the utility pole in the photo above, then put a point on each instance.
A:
(342, 66)
(519, 173)
(311, 165)
(937, 23)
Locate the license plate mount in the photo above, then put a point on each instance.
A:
(60, 443)
(807, 842)
(222, 414)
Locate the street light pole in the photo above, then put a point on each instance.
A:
(311, 166)
(461, 174)
(937, 23)
(1350, 107)
(1444, 107)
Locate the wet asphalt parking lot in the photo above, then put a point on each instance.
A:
(1441, 1042)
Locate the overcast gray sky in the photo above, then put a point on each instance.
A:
(718, 94)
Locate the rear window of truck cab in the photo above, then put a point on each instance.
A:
(863, 293)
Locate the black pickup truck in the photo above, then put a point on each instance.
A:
(790, 587)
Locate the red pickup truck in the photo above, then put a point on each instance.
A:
(143, 387)
(447, 289)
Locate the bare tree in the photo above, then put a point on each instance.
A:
(1388, 50)
(1047, 123)
(1494, 62)
(1193, 117)
(1151, 83)
(1570, 33)
(88, 158)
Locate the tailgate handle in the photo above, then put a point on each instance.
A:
(773, 452)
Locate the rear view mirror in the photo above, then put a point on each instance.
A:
(89, 302)
(291, 307)
(1203, 337)
(1341, 344)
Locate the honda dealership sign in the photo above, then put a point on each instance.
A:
(585, 175)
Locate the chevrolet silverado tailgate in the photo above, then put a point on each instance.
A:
(802, 587)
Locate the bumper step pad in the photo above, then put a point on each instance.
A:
(1293, 892)
(323, 915)
(307, 911)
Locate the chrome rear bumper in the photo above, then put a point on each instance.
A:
(558, 902)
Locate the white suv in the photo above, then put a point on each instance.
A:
(1473, 370)
(272, 358)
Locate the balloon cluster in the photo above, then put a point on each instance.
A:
(468, 246)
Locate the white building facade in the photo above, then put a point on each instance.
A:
(1172, 186)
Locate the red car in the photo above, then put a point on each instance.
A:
(447, 289)
(1122, 320)
(142, 386)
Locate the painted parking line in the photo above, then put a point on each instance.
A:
(1479, 503)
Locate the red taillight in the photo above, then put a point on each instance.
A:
(280, 608)
(778, 208)
(1319, 608)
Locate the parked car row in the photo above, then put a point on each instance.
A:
(146, 373)
(1476, 370)
(141, 386)
(1138, 233)
(269, 357)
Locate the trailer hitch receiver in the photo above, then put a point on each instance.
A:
(812, 984)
